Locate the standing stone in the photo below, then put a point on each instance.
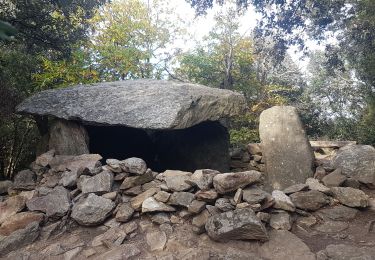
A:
(287, 151)
(68, 138)
(358, 162)
(92, 210)
(236, 224)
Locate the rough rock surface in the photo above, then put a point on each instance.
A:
(351, 197)
(227, 182)
(284, 245)
(357, 161)
(309, 200)
(152, 205)
(177, 180)
(346, 252)
(24, 180)
(99, 183)
(55, 204)
(287, 151)
(4, 186)
(334, 179)
(237, 224)
(68, 138)
(337, 213)
(92, 210)
(134, 165)
(203, 178)
(137, 103)
(11, 206)
(85, 163)
(282, 201)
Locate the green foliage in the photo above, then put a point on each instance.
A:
(6, 31)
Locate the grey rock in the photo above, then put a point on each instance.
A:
(68, 138)
(213, 210)
(334, 179)
(204, 178)
(237, 224)
(152, 205)
(156, 240)
(287, 151)
(181, 199)
(114, 165)
(4, 186)
(124, 212)
(346, 252)
(208, 196)
(69, 179)
(224, 204)
(110, 195)
(284, 245)
(238, 196)
(282, 201)
(160, 218)
(332, 226)
(24, 180)
(177, 180)
(134, 165)
(182, 106)
(19, 238)
(357, 161)
(254, 195)
(11, 206)
(351, 197)
(264, 216)
(55, 204)
(137, 201)
(81, 164)
(254, 148)
(314, 184)
(338, 212)
(162, 196)
(309, 200)
(281, 221)
(130, 182)
(45, 158)
(296, 188)
(196, 206)
(100, 183)
(92, 210)
(199, 221)
(227, 182)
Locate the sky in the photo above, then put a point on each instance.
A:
(200, 26)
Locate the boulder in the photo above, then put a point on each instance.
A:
(24, 180)
(181, 199)
(4, 186)
(282, 201)
(130, 182)
(68, 138)
(25, 230)
(100, 183)
(152, 205)
(45, 158)
(92, 210)
(358, 162)
(124, 212)
(177, 180)
(284, 245)
(11, 206)
(227, 182)
(137, 201)
(85, 163)
(55, 204)
(337, 213)
(334, 179)
(287, 151)
(203, 178)
(281, 221)
(254, 195)
(137, 103)
(237, 224)
(350, 197)
(309, 200)
(134, 165)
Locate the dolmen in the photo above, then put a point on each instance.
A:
(171, 125)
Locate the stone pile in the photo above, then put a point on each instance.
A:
(61, 190)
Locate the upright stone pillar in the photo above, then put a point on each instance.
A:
(68, 138)
(286, 149)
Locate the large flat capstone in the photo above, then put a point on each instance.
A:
(146, 104)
